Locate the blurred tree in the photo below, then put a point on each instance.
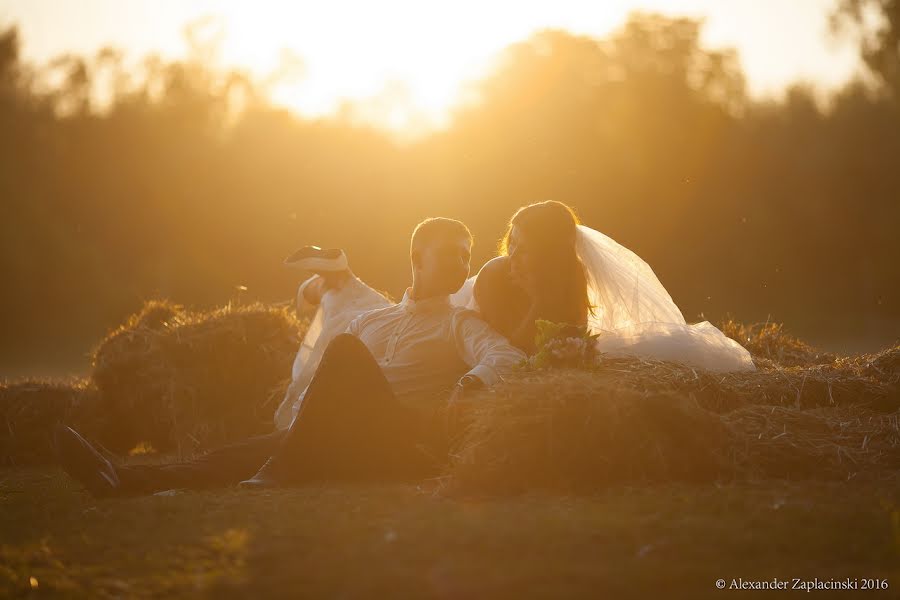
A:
(877, 25)
(179, 179)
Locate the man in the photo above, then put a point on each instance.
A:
(366, 413)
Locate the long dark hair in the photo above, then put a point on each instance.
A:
(550, 227)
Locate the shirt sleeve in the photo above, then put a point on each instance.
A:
(353, 326)
(302, 303)
(488, 353)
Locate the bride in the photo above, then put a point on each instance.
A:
(552, 267)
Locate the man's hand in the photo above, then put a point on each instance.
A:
(460, 401)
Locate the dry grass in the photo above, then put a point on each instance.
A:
(180, 379)
(633, 420)
(28, 411)
(771, 342)
(174, 379)
(822, 443)
(869, 380)
(167, 379)
(566, 430)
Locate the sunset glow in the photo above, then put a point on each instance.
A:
(404, 64)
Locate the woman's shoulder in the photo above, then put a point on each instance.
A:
(497, 266)
(493, 273)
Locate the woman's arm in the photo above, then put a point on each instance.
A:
(524, 333)
(506, 306)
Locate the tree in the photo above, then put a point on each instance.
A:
(877, 26)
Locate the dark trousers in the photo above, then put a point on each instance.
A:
(350, 427)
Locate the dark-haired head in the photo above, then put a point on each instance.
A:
(540, 244)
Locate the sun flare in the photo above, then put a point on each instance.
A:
(402, 64)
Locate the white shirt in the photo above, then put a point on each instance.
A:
(424, 347)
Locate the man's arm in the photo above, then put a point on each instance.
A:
(489, 354)
(353, 326)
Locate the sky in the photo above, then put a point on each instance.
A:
(406, 59)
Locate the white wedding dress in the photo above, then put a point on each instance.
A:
(634, 315)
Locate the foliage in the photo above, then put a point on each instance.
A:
(167, 190)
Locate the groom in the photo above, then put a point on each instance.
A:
(368, 412)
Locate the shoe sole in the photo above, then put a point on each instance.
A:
(98, 482)
(318, 264)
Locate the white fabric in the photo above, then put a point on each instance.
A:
(422, 347)
(635, 315)
(333, 314)
(465, 296)
(427, 345)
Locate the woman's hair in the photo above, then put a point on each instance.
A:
(550, 228)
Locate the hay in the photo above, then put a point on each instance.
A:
(173, 378)
(771, 342)
(176, 379)
(870, 381)
(633, 420)
(28, 411)
(824, 443)
(568, 430)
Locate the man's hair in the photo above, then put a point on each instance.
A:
(438, 228)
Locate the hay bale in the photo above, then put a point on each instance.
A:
(568, 430)
(178, 379)
(572, 434)
(824, 443)
(28, 411)
(634, 420)
(847, 381)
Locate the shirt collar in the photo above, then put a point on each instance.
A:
(429, 304)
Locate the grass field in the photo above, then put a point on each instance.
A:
(353, 541)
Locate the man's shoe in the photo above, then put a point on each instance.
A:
(268, 476)
(318, 260)
(84, 464)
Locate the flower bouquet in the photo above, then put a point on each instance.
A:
(563, 345)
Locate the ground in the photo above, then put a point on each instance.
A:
(398, 541)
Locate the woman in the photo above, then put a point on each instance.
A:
(552, 267)
(538, 275)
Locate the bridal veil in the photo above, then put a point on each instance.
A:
(635, 315)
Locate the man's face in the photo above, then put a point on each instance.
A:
(443, 265)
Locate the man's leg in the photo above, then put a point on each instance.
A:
(350, 425)
(224, 466)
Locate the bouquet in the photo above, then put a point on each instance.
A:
(563, 345)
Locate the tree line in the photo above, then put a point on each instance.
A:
(186, 183)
